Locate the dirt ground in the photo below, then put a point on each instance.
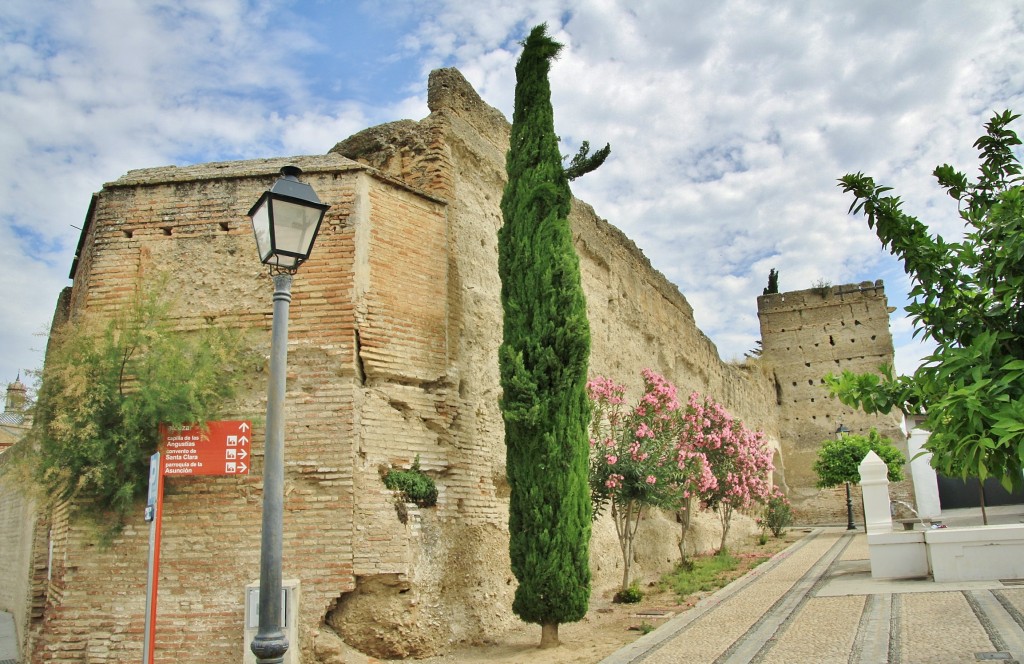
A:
(608, 626)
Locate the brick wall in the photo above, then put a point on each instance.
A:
(18, 516)
(191, 223)
(394, 330)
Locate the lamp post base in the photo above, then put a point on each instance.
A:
(269, 649)
(849, 510)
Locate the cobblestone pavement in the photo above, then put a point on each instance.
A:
(817, 602)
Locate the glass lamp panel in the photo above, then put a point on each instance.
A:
(261, 228)
(294, 227)
(286, 262)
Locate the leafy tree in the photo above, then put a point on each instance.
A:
(636, 462)
(967, 297)
(773, 282)
(105, 390)
(543, 360)
(839, 459)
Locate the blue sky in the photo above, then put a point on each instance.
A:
(730, 121)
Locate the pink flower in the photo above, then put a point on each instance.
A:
(651, 479)
(611, 459)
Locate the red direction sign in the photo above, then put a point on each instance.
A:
(221, 449)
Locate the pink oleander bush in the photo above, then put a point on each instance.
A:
(738, 458)
(660, 453)
(777, 514)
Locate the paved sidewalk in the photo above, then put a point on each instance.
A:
(8, 639)
(817, 602)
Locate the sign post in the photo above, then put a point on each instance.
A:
(154, 514)
(219, 448)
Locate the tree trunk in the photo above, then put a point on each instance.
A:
(981, 499)
(683, 517)
(725, 512)
(549, 635)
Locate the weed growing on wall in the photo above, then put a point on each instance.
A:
(414, 485)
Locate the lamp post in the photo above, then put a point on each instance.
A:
(840, 430)
(285, 220)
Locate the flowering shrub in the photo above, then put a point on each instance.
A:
(777, 515)
(635, 460)
(739, 459)
(661, 454)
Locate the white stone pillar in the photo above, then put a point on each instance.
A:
(874, 486)
(926, 482)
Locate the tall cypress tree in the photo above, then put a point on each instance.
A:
(543, 359)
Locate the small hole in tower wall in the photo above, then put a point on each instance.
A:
(128, 234)
(225, 226)
(167, 230)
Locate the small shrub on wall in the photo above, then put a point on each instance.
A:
(413, 485)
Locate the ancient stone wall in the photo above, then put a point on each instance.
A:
(638, 319)
(395, 326)
(191, 224)
(806, 335)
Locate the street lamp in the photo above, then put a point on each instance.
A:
(840, 430)
(285, 221)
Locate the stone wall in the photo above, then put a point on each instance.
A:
(806, 335)
(395, 326)
(638, 319)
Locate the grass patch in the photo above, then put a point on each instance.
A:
(701, 574)
(708, 573)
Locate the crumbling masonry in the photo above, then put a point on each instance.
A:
(395, 327)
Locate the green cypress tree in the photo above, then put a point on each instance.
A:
(543, 359)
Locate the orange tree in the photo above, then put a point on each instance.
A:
(968, 298)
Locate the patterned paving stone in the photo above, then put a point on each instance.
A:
(939, 628)
(822, 632)
(776, 616)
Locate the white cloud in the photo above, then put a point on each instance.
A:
(729, 122)
(90, 90)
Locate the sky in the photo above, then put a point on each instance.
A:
(730, 122)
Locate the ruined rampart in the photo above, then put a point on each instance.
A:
(805, 336)
(395, 326)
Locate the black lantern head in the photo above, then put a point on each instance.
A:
(286, 220)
